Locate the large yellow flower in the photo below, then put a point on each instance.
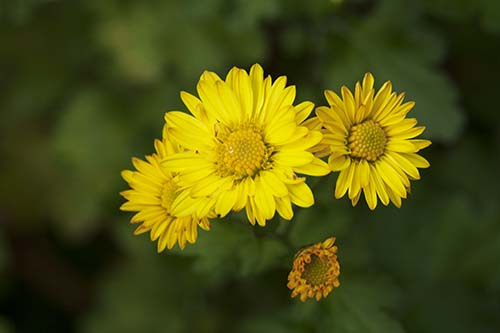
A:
(315, 271)
(154, 191)
(246, 144)
(371, 142)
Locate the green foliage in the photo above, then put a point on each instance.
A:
(235, 251)
(85, 85)
(89, 176)
(358, 306)
(384, 45)
(4, 326)
(157, 294)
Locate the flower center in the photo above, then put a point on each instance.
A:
(316, 272)
(242, 153)
(367, 140)
(168, 194)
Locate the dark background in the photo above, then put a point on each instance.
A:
(83, 88)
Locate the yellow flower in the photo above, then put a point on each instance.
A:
(371, 142)
(315, 271)
(247, 143)
(154, 191)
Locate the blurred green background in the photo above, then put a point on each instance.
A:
(84, 86)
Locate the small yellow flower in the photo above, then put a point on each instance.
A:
(154, 192)
(371, 142)
(246, 143)
(315, 271)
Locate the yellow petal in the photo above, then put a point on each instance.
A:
(312, 123)
(355, 199)
(316, 168)
(404, 164)
(311, 139)
(189, 131)
(302, 111)
(186, 161)
(395, 199)
(355, 187)
(204, 206)
(382, 97)
(280, 128)
(409, 134)
(349, 104)
(183, 205)
(344, 181)
(416, 160)
(242, 87)
(293, 158)
(403, 126)
(332, 120)
(212, 102)
(141, 198)
(274, 95)
(421, 144)
(141, 229)
(225, 202)
(301, 195)
(401, 146)
(148, 214)
(192, 175)
(145, 167)
(387, 114)
(370, 196)
(231, 105)
(403, 177)
(249, 209)
(241, 197)
(284, 207)
(210, 77)
(338, 163)
(192, 103)
(209, 185)
(368, 81)
(379, 185)
(364, 173)
(273, 183)
(360, 114)
(257, 82)
(264, 200)
(157, 230)
(391, 178)
(333, 99)
(357, 95)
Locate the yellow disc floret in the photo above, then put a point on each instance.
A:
(242, 153)
(367, 140)
(316, 271)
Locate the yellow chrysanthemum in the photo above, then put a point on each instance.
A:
(371, 142)
(247, 143)
(315, 271)
(154, 192)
